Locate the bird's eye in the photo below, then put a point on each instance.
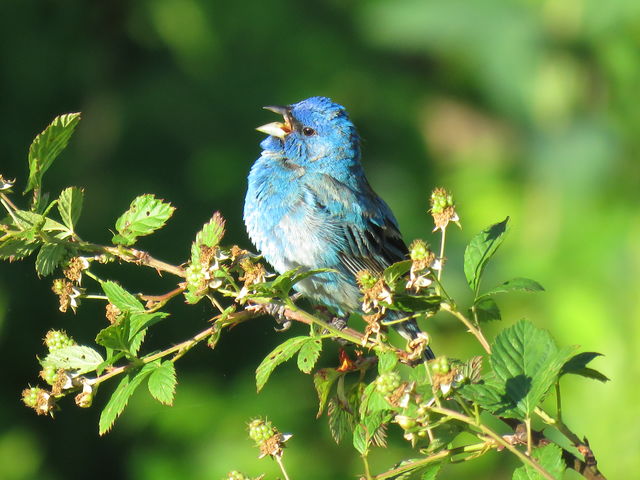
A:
(308, 131)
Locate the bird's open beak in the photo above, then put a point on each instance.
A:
(278, 129)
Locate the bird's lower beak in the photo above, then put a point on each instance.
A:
(278, 129)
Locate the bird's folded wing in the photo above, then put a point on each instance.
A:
(358, 224)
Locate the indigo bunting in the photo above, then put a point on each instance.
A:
(309, 205)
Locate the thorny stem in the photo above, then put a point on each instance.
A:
(558, 403)
(367, 470)
(281, 465)
(131, 255)
(441, 254)
(497, 438)
(442, 454)
(527, 423)
(179, 349)
(476, 332)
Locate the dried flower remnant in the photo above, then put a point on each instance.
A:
(443, 209)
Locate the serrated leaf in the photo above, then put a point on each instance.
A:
(415, 303)
(120, 397)
(162, 383)
(480, 249)
(49, 257)
(323, 380)
(16, 248)
(26, 220)
(408, 470)
(518, 284)
(341, 422)
(70, 206)
(48, 145)
(309, 354)
(113, 337)
(280, 354)
(487, 309)
(577, 365)
(549, 458)
(142, 320)
(360, 440)
(431, 472)
(375, 425)
(372, 401)
(122, 299)
(77, 358)
(136, 342)
(395, 271)
(210, 235)
(526, 363)
(387, 361)
(146, 214)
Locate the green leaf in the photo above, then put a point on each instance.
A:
(387, 361)
(526, 363)
(372, 401)
(577, 365)
(487, 309)
(323, 380)
(341, 422)
(17, 248)
(549, 458)
(142, 320)
(280, 354)
(309, 354)
(518, 284)
(114, 337)
(77, 358)
(120, 397)
(70, 206)
(26, 220)
(210, 236)
(375, 425)
(48, 145)
(415, 303)
(49, 257)
(146, 214)
(122, 299)
(395, 271)
(360, 440)
(408, 471)
(162, 383)
(431, 472)
(480, 250)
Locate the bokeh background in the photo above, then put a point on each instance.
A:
(527, 108)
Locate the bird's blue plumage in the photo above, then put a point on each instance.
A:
(309, 205)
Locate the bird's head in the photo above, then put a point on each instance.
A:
(315, 131)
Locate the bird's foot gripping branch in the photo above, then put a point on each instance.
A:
(495, 399)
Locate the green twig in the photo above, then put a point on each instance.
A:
(476, 332)
(497, 438)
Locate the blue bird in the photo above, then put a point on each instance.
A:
(309, 205)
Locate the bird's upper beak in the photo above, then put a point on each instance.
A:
(278, 129)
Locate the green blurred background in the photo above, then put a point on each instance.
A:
(523, 108)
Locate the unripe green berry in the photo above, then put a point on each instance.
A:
(195, 276)
(260, 430)
(406, 423)
(30, 396)
(235, 475)
(57, 339)
(388, 382)
(49, 374)
(419, 250)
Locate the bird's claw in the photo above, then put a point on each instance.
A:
(277, 310)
